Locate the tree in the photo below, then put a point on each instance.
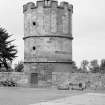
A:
(19, 67)
(3, 69)
(75, 68)
(7, 51)
(102, 66)
(84, 66)
(94, 66)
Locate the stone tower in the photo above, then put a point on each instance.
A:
(47, 41)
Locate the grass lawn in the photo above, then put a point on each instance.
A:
(26, 96)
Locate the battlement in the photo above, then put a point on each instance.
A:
(40, 4)
(66, 5)
(29, 5)
(49, 4)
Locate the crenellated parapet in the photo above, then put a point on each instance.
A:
(49, 4)
(29, 5)
(48, 18)
(66, 6)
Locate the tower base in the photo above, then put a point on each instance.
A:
(47, 74)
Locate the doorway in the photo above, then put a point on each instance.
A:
(34, 79)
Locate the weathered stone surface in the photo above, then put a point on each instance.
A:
(49, 21)
(48, 49)
(47, 39)
(92, 80)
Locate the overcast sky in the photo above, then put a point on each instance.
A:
(88, 27)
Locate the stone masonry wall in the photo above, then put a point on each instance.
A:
(47, 37)
(48, 49)
(53, 20)
(92, 80)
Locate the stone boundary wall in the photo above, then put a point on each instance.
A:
(19, 77)
(92, 80)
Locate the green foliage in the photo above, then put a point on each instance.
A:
(84, 66)
(102, 66)
(75, 69)
(7, 51)
(19, 67)
(94, 66)
(3, 69)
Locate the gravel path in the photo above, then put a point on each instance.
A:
(83, 99)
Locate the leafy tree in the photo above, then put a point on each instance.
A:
(84, 66)
(94, 66)
(7, 51)
(3, 69)
(75, 68)
(102, 66)
(19, 67)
